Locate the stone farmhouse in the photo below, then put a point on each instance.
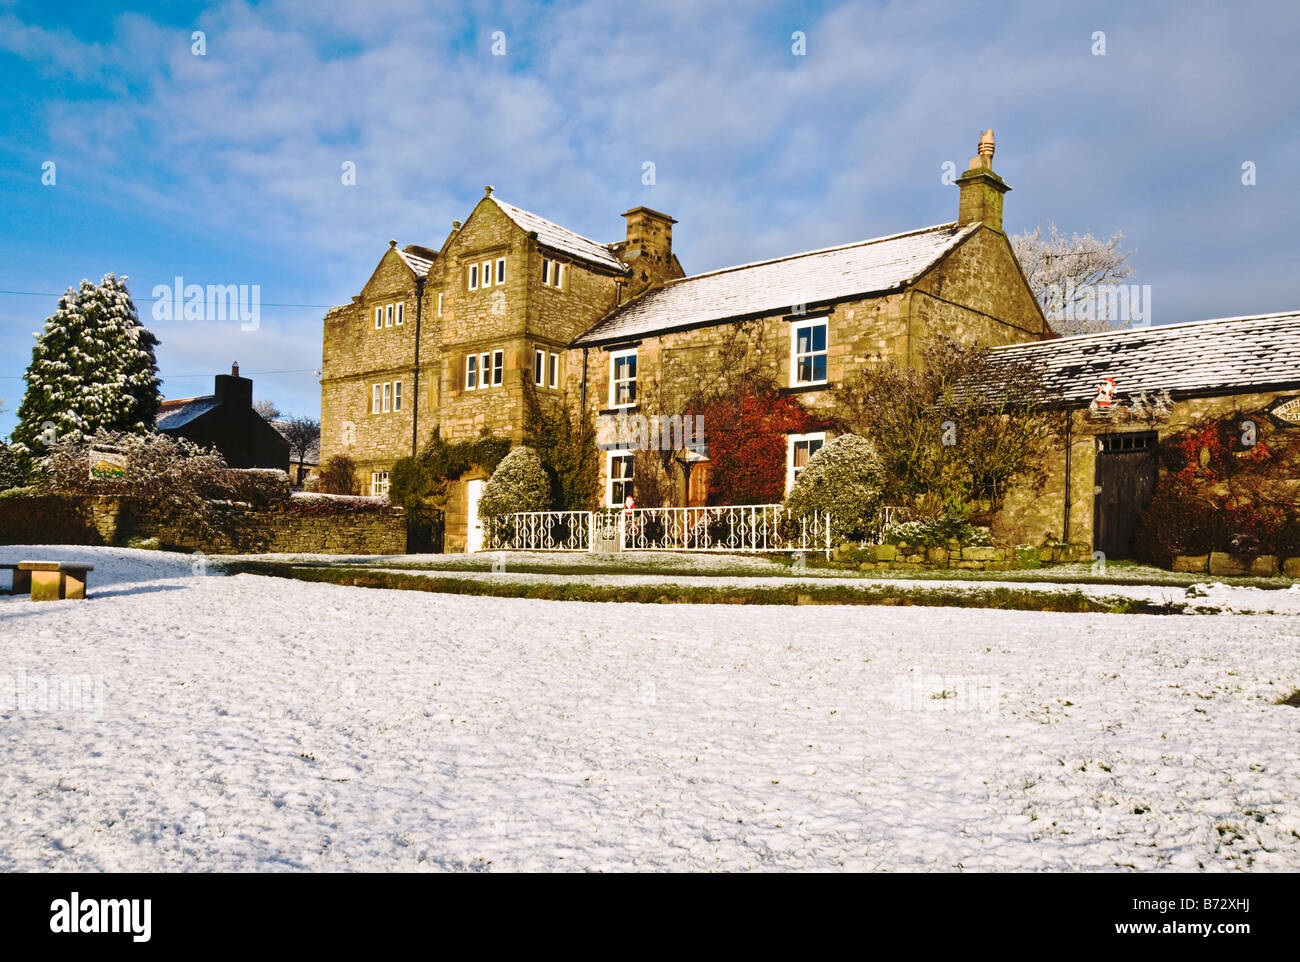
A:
(446, 339)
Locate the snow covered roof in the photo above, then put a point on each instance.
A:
(1243, 354)
(175, 414)
(416, 262)
(866, 267)
(313, 452)
(560, 238)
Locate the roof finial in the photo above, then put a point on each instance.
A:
(487, 191)
(455, 225)
(985, 151)
(392, 243)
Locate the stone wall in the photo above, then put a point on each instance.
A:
(954, 555)
(238, 529)
(1031, 514)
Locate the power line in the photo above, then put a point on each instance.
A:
(44, 294)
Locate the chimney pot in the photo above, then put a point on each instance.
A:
(234, 369)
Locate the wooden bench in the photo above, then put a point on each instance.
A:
(55, 580)
(21, 581)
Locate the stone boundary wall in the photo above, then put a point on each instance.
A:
(239, 529)
(1223, 563)
(954, 555)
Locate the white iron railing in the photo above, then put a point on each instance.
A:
(726, 528)
(539, 531)
(889, 515)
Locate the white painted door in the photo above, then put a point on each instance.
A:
(474, 537)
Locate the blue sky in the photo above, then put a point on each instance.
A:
(225, 168)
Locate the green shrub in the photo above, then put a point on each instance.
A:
(843, 480)
(520, 483)
(954, 526)
(12, 474)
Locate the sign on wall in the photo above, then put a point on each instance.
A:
(106, 463)
(1286, 412)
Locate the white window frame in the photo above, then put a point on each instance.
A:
(401, 311)
(614, 357)
(610, 479)
(376, 394)
(471, 277)
(484, 370)
(485, 275)
(397, 395)
(388, 315)
(440, 303)
(553, 373)
(388, 396)
(498, 366)
(795, 328)
(553, 273)
(501, 270)
(379, 318)
(790, 441)
(539, 368)
(471, 372)
(378, 484)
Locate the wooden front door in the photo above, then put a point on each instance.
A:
(1125, 481)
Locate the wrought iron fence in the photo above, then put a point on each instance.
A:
(727, 528)
(539, 531)
(889, 515)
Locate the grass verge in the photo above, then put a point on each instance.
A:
(1011, 599)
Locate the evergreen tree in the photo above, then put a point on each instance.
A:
(92, 368)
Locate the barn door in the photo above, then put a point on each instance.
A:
(1125, 481)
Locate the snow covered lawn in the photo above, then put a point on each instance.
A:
(257, 723)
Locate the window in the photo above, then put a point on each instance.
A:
(388, 397)
(800, 448)
(484, 370)
(397, 395)
(808, 352)
(552, 273)
(622, 379)
(471, 279)
(555, 371)
(388, 316)
(379, 484)
(486, 274)
(498, 366)
(619, 486)
(377, 392)
(401, 309)
(501, 270)
(539, 368)
(440, 304)
(379, 318)
(471, 372)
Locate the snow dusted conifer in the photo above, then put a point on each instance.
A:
(843, 480)
(519, 483)
(93, 368)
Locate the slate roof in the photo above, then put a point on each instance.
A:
(313, 451)
(866, 267)
(562, 239)
(1222, 355)
(416, 263)
(175, 414)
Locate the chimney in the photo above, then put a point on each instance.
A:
(233, 391)
(981, 189)
(648, 250)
